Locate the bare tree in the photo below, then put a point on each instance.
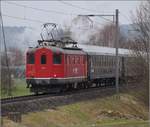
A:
(16, 56)
(5, 88)
(106, 36)
(141, 43)
(142, 26)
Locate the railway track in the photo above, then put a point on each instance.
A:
(31, 103)
(31, 97)
(20, 99)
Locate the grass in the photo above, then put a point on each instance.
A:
(122, 123)
(19, 89)
(108, 123)
(127, 110)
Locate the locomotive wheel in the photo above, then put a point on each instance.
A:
(85, 86)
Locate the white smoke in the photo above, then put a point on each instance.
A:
(82, 29)
(82, 35)
(29, 37)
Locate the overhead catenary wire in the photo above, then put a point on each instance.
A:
(25, 19)
(42, 10)
(37, 9)
(89, 10)
(75, 6)
(47, 11)
(22, 18)
(108, 20)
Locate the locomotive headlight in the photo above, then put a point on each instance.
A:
(54, 75)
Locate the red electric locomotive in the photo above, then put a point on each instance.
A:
(55, 68)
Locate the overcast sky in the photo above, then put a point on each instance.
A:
(62, 12)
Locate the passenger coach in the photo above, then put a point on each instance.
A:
(102, 63)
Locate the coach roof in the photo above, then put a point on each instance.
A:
(100, 50)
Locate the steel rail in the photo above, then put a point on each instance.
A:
(18, 99)
(40, 96)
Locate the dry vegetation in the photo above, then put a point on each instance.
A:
(128, 111)
(141, 45)
(10, 69)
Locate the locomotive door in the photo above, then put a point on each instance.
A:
(44, 64)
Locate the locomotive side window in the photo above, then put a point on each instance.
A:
(30, 58)
(73, 60)
(66, 59)
(56, 58)
(69, 60)
(43, 59)
(83, 59)
(78, 60)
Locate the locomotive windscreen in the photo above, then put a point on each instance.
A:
(30, 58)
(56, 58)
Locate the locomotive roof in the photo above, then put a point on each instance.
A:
(100, 50)
(58, 49)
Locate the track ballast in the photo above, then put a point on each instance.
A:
(32, 103)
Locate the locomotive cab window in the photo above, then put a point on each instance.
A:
(56, 58)
(43, 59)
(30, 58)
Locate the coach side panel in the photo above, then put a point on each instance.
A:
(102, 66)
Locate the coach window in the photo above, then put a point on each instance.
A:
(99, 61)
(30, 58)
(107, 61)
(43, 59)
(102, 61)
(56, 58)
(111, 61)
